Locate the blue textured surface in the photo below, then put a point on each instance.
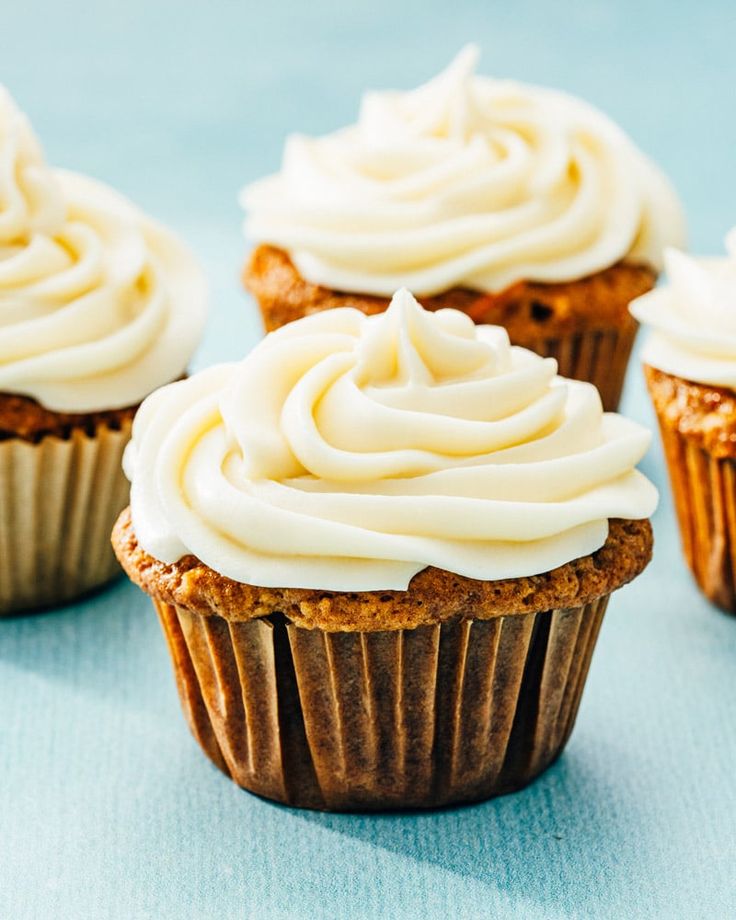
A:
(107, 807)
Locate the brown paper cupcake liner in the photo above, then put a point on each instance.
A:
(597, 356)
(704, 490)
(412, 718)
(58, 501)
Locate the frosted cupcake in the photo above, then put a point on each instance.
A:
(381, 549)
(520, 206)
(98, 306)
(690, 365)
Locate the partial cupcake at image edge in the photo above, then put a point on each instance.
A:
(99, 305)
(381, 549)
(690, 367)
(521, 206)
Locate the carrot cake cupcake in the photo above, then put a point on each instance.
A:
(690, 366)
(99, 305)
(381, 549)
(520, 206)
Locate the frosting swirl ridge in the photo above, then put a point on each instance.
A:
(464, 181)
(99, 304)
(693, 318)
(349, 452)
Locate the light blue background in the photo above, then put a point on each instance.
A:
(107, 807)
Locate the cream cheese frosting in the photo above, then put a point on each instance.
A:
(693, 318)
(465, 181)
(99, 305)
(347, 453)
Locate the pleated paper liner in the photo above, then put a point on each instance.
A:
(58, 502)
(412, 718)
(704, 490)
(598, 356)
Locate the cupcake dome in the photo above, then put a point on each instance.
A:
(350, 452)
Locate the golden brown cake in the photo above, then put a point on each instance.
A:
(25, 418)
(434, 595)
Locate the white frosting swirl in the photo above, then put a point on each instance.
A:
(464, 181)
(693, 318)
(98, 304)
(349, 452)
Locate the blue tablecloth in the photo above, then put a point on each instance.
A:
(107, 807)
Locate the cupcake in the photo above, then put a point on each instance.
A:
(381, 549)
(98, 306)
(690, 367)
(521, 206)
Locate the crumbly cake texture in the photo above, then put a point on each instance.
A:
(25, 418)
(434, 595)
(704, 414)
(529, 310)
